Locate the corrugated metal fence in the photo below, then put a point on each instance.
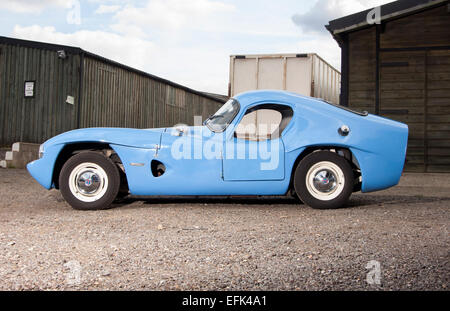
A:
(111, 94)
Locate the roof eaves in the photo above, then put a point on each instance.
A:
(148, 75)
(385, 17)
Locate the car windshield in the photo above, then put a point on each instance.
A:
(223, 117)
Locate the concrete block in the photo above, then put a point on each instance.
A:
(9, 155)
(21, 155)
(25, 147)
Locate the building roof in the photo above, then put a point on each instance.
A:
(221, 97)
(78, 51)
(389, 11)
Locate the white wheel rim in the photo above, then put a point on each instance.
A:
(325, 181)
(88, 182)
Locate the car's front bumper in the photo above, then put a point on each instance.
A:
(42, 169)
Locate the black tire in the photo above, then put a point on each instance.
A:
(123, 188)
(312, 196)
(112, 176)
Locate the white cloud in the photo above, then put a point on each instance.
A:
(327, 48)
(36, 7)
(171, 14)
(204, 70)
(110, 1)
(324, 11)
(107, 9)
(315, 37)
(131, 51)
(129, 30)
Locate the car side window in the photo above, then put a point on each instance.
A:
(263, 122)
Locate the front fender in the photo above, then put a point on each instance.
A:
(137, 164)
(42, 169)
(147, 139)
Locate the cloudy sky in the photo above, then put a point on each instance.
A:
(186, 41)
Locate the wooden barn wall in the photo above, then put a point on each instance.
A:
(47, 114)
(402, 91)
(426, 29)
(437, 126)
(115, 97)
(417, 82)
(362, 70)
(413, 85)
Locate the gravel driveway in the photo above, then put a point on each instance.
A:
(227, 244)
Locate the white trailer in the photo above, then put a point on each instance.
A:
(306, 74)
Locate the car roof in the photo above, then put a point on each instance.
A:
(296, 100)
(251, 97)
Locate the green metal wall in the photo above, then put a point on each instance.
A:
(114, 96)
(111, 95)
(46, 115)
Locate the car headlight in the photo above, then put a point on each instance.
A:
(41, 151)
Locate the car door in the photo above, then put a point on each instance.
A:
(256, 151)
(189, 169)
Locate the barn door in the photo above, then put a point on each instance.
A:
(2, 102)
(415, 89)
(437, 130)
(402, 98)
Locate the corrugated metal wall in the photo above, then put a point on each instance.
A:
(327, 80)
(111, 96)
(47, 114)
(114, 96)
(306, 74)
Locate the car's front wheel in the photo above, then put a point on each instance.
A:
(324, 180)
(89, 181)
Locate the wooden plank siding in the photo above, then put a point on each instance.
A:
(426, 29)
(362, 68)
(115, 97)
(438, 111)
(402, 89)
(413, 81)
(47, 114)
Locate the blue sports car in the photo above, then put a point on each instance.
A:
(258, 143)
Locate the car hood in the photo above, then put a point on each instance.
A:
(186, 130)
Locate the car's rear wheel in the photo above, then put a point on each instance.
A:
(324, 180)
(89, 181)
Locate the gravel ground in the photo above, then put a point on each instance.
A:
(225, 244)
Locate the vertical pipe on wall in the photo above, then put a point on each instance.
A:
(377, 69)
(313, 76)
(345, 57)
(425, 124)
(80, 89)
(257, 72)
